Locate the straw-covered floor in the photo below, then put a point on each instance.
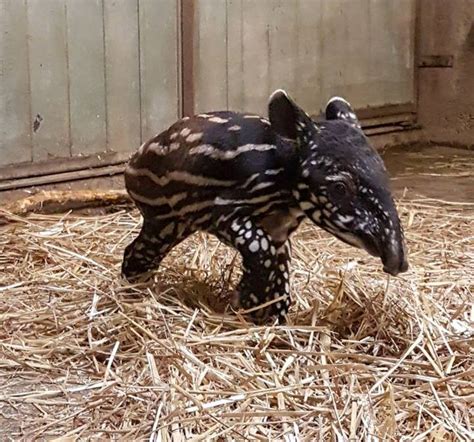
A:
(84, 354)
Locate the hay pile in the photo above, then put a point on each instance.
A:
(86, 355)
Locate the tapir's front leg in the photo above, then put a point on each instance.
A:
(265, 267)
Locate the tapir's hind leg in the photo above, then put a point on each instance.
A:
(150, 247)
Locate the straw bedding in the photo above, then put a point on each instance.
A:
(364, 356)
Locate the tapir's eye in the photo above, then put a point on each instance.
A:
(339, 189)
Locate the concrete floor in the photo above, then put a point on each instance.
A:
(438, 172)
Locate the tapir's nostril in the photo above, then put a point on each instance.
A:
(395, 259)
(404, 267)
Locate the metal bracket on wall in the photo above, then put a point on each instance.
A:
(436, 61)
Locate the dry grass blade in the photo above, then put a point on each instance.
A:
(85, 355)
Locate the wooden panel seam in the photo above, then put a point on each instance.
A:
(187, 56)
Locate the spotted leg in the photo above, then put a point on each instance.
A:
(265, 267)
(150, 247)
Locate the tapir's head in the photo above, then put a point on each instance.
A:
(341, 183)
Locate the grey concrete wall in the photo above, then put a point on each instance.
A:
(446, 95)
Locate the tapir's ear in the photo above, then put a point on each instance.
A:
(340, 109)
(283, 114)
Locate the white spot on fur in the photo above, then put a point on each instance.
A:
(218, 120)
(261, 186)
(254, 246)
(338, 176)
(345, 218)
(235, 226)
(235, 127)
(306, 205)
(267, 263)
(216, 153)
(316, 216)
(264, 244)
(194, 137)
(173, 146)
(185, 132)
(167, 230)
(274, 171)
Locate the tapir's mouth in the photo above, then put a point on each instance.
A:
(393, 256)
(395, 259)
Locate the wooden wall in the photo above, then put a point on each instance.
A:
(80, 77)
(89, 77)
(361, 49)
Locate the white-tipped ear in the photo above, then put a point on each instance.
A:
(338, 108)
(282, 112)
(278, 93)
(343, 100)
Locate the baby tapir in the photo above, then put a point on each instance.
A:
(251, 181)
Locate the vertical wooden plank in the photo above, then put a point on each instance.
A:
(122, 73)
(210, 70)
(283, 50)
(85, 35)
(49, 78)
(256, 55)
(235, 84)
(404, 30)
(159, 64)
(187, 24)
(15, 118)
(383, 67)
(309, 62)
(333, 48)
(357, 52)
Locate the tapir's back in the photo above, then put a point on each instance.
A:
(211, 151)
